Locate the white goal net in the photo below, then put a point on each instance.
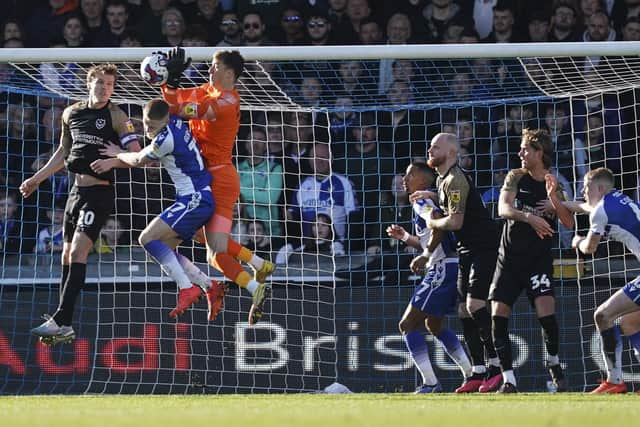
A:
(334, 311)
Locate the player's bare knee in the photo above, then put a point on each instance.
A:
(78, 254)
(474, 305)
(462, 311)
(602, 318)
(434, 325)
(66, 254)
(628, 326)
(402, 326)
(408, 323)
(625, 328)
(143, 239)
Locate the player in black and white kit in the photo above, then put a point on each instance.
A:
(524, 257)
(87, 126)
(477, 246)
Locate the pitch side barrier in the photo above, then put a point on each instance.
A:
(157, 356)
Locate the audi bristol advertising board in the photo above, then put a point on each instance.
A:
(127, 344)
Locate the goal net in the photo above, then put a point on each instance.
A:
(335, 307)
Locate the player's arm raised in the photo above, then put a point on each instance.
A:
(399, 233)
(187, 103)
(193, 104)
(556, 196)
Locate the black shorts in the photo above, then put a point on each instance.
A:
(87, 209)
(475, 271)
(516, 274)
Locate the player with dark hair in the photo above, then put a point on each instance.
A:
(477, 245)
(213, 111)
(615, 216)
(436, 294)
(175, 148)
(87, 126)
(524, 257)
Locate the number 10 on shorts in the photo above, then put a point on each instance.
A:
(86, 218)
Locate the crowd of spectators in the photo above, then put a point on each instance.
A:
(112, 23)
(315, 182)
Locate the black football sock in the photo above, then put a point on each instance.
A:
(550, 333)
(472, 340)
(502, 342)
(483, 320)
(75, 282)
(63, 279)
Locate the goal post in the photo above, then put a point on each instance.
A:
(334, 312)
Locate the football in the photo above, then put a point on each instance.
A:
(153, 69)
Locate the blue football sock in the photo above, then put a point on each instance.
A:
(168, 262)
(453, 347)
(417, 346)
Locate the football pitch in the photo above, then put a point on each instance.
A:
(302, 410)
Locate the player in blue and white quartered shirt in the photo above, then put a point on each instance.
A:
(436, 295)
(614, 216)
(175, 148)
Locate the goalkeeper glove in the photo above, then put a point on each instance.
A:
(176, 64)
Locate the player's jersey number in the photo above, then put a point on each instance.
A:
(86, 218)
(193, 147)
(540, 281)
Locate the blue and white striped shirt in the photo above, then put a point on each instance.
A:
(178, 152)
(617, 217)
(421, 213)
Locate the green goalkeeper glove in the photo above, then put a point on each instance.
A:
(176, 64)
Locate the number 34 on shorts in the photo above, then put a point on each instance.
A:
(541, 281)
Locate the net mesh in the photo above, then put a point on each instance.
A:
(334, 314)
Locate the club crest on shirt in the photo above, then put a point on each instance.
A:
(100, 123)
(191, 109)
(129, 126)
(455, 196)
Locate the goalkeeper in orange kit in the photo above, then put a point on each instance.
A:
(213, 111)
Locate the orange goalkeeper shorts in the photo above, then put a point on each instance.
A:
(226, 191)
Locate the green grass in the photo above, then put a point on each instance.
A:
(305, 410)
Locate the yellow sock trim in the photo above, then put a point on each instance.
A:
(243, 279)
(245, 255)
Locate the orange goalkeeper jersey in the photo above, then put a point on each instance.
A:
(214, 118)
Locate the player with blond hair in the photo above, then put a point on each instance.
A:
(614, 216)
